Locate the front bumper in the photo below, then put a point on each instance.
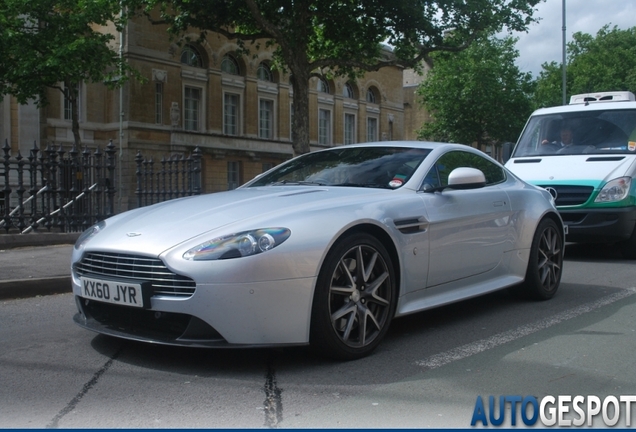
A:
(216, 315)
(607, 225)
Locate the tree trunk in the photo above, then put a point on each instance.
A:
(300, 123)
(72, 94)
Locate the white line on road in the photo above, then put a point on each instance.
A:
(441, 359)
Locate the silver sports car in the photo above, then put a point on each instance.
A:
(325, 249)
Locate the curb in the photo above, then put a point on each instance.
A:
(26, 288)
(10, 241)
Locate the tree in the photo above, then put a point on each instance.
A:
(548, 86)
(58, 44)
(477, 95)
(606, 62)
(343, 38)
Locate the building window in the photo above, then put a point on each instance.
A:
(323, 86)
(347, 91)
(267, 166)
(158, 103)
(324, 126)
(233, 175)
(192, 109)
(68, 106)
(231, 114)
(371, 96)
(229, 65)
(349, 129)
(265, 118)
(264, 73)
(191, 57)
(372, 129)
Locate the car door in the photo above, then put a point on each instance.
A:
(469, 230)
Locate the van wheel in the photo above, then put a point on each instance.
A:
(628, 247)
(545, 265)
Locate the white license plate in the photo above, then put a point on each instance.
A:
(128, 294)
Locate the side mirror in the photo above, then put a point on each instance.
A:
(466, 178)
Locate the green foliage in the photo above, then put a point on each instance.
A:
(477, 95)
(44, 43)
(343, 37)
(606, 62)
(549, 86)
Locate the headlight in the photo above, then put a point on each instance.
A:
(89, 233)
(614, 190)
(238, 245)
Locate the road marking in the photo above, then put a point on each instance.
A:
(441, 359)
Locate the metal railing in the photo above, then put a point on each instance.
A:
(56, 190)
(68, 191)
(174, 176)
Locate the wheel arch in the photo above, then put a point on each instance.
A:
(386, 241)
(557, 219)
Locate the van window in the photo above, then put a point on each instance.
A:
(604, 132)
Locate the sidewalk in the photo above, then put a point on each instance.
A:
(35, 264)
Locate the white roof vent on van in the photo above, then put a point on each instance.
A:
(619, 96)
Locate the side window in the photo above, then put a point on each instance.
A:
(438, 175)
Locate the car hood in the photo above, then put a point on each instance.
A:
(162, 226)
(584, 170)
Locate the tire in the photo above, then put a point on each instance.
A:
(353, 304)
(628, 247)
(545, 264)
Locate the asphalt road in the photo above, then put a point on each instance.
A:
(428, 372)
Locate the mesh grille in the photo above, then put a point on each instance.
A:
(138, 268)
(571, 195)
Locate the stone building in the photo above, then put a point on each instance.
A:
(414, 115)
(236, 109)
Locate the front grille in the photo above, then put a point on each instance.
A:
(571, 195)
(138, 268)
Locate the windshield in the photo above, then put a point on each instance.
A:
(603, 132)
(378, 167)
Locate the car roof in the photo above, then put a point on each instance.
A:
(429, 145)
(605, 106)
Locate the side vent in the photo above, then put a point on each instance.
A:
(411, 225)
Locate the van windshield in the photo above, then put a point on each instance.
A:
(611, 131)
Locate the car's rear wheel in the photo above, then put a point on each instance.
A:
(355, 298)
(546, 262)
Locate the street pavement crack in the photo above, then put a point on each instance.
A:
(54, 424)
(273, 400)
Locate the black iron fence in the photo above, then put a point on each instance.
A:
(174, 176)
(56, 190)
(68, 191)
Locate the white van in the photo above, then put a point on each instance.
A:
(584, 154)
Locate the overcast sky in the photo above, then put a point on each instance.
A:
(543, 42)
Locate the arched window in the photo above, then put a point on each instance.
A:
(229, 65)
(264, 73)
(347, 91)
(191, 57)
(323, 86)
(371, 96)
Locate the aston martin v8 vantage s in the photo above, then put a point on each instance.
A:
(324, 249)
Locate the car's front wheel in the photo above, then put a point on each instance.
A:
(355, 298)
(628, 247)
(546, 262)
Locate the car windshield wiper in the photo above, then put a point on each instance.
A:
(296, 183)
(366, 185)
